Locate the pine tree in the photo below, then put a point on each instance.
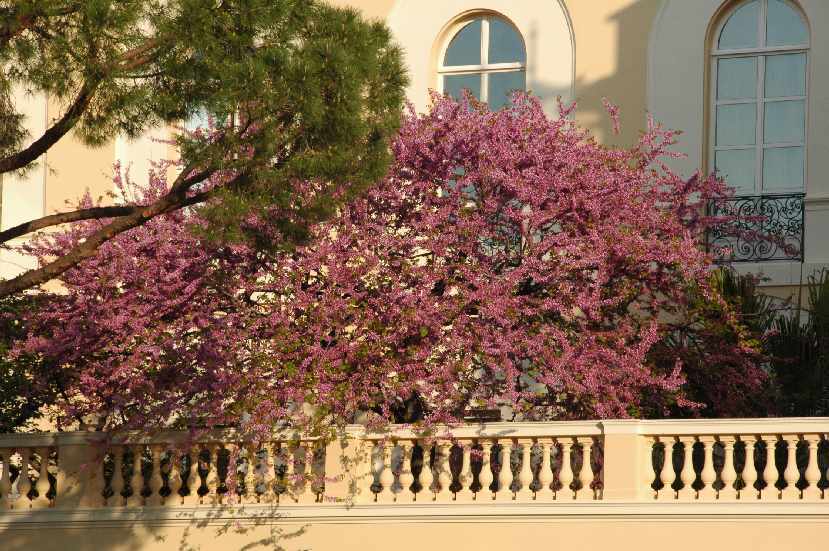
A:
(299, 91)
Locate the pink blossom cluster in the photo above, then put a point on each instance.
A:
(506, 259)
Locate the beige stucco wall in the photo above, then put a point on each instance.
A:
(457, 534)
(611, 61)
(74, 168)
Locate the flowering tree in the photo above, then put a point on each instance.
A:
(506, 259)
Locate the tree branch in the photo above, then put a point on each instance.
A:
(53, 134)
(63, 218)
(168, 203)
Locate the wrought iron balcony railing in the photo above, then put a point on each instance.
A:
(764, 228)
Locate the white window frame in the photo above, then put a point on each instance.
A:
(485, 68)
(759, 53)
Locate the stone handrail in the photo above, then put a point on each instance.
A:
(691, 461)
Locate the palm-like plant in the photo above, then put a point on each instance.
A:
(799, 348)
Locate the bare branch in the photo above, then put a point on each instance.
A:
(93, 213)
(170, 202)
(49, 138)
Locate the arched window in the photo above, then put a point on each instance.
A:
(485, 55)
(759, 69)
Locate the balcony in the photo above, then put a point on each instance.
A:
(767, 228)
(82, 489)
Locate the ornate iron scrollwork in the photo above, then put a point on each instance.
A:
(763, 228)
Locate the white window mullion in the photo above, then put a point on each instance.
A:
(761, 79)
(761, 21)
(484, 59)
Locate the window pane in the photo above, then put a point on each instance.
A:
(740, 31)
(784, 122)
(505, 44)
(785, 75)
(784, 26)
(501, 85)
(199, 119)
(465, 48)
(737, 168)
(454, 84)
(782, 169)
(736, 124)
(737, 78)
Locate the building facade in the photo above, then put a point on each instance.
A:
(746, 81)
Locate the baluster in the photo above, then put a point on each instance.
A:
(155, 482)
(466, 470)
(525, 476)
(708, 475)
(406, 477)
(184, 472)
(566, 474)
(248, 477)
(24, 484)
(666, 474)
(5, 479)
(749, 473)
(687, 475)
(812, 473)
(729, 473)
(498, 455)
(386, 473)
(300, 471)
(455, 462)
(444, 476)
(42, 483)
(204, 459)
(132, 466)
(264, 453)
(586, 473)
(790, 473)
(279, 453)
(417, 459)
(431, 478)
(545, 472)
(173, 475)
(770, 474)
(117, 482)
(513, 472)
(486, 467)
(317, 471)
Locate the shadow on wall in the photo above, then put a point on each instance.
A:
(611, 54)
(263, 531)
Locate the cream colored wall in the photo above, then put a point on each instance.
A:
(611, 61)
(575, 532)
(74, 168)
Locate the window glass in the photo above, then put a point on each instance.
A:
(465, 48)
(487, 43)
(782, 169)
(785, 75)
(736, 124)
(199, 119)
(455, 84)
(736, 166)
(501, 85)
(784, 122)
(737, 78)
(740, 31)
(505, 44)
(784, 26)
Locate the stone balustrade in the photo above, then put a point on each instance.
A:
(585, 462)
